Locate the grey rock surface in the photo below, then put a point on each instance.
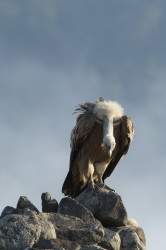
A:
(111, 240)
(87, 234)
(71, 207)
(21, 231)
(48, 205)
(25, 203)
(72, 227)
(139, 231)
(106, 206)
(94, 247)
(8, 210)
(57, 244)
(130, 240)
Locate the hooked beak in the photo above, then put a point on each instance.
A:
(108, 147)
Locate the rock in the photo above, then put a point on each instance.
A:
(25, 211)
(105, 205)
(20, 231)
(25, 203)
(74, 229)
(57, 244)
(111, 240)
(48, 205)
(130, 240)
(34, 248)
(88, 234)
(8, 210)
(62, 223)
(71, 207)
(139, 231)
(94, 247)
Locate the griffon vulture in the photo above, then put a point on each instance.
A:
(101, 136)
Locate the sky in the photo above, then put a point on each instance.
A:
(56, 54)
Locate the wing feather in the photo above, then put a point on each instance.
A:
(80, 132)
(84, 125)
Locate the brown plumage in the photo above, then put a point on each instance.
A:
(91, 158)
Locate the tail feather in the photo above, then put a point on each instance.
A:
(67, 187)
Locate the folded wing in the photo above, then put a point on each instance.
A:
(84, 125)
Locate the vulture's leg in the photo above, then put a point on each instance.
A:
(91, 183)
(100, 169)
(100, 182)
(86, 170)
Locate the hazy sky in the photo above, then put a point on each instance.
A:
(56, 54)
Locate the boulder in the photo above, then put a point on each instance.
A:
(48, 205)
(74, 229)
(25, 203)
(87, 234)
(20, 231)
(56, 244)
(73, 226)
(140, 232)
(71, 207)
(111, 240)
(106, 206)
(8, 210)
(130, 240)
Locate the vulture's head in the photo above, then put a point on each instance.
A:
(109, 143)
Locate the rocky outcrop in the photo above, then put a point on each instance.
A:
(95, 220)
(105, 204)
